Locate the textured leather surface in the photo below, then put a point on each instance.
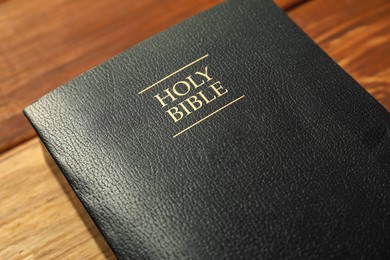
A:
(297, 169)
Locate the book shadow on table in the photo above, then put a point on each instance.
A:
(81, 211)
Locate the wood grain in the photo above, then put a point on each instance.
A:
(44, 43)
(49, 42)
(356, 34)
(288, 5)
(40, 217)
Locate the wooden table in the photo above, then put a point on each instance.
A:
(44, 43)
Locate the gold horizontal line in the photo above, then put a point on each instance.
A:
(213, 113)
(170, 75)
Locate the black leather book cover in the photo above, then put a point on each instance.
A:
(229, 136)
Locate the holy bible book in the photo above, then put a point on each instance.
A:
(229, 136)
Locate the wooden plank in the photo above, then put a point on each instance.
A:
(44, 43)
(40, 216)
(356, 34)
(288, 5)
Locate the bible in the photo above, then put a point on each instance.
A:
(231, 135)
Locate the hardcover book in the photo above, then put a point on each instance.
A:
(229, 136)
